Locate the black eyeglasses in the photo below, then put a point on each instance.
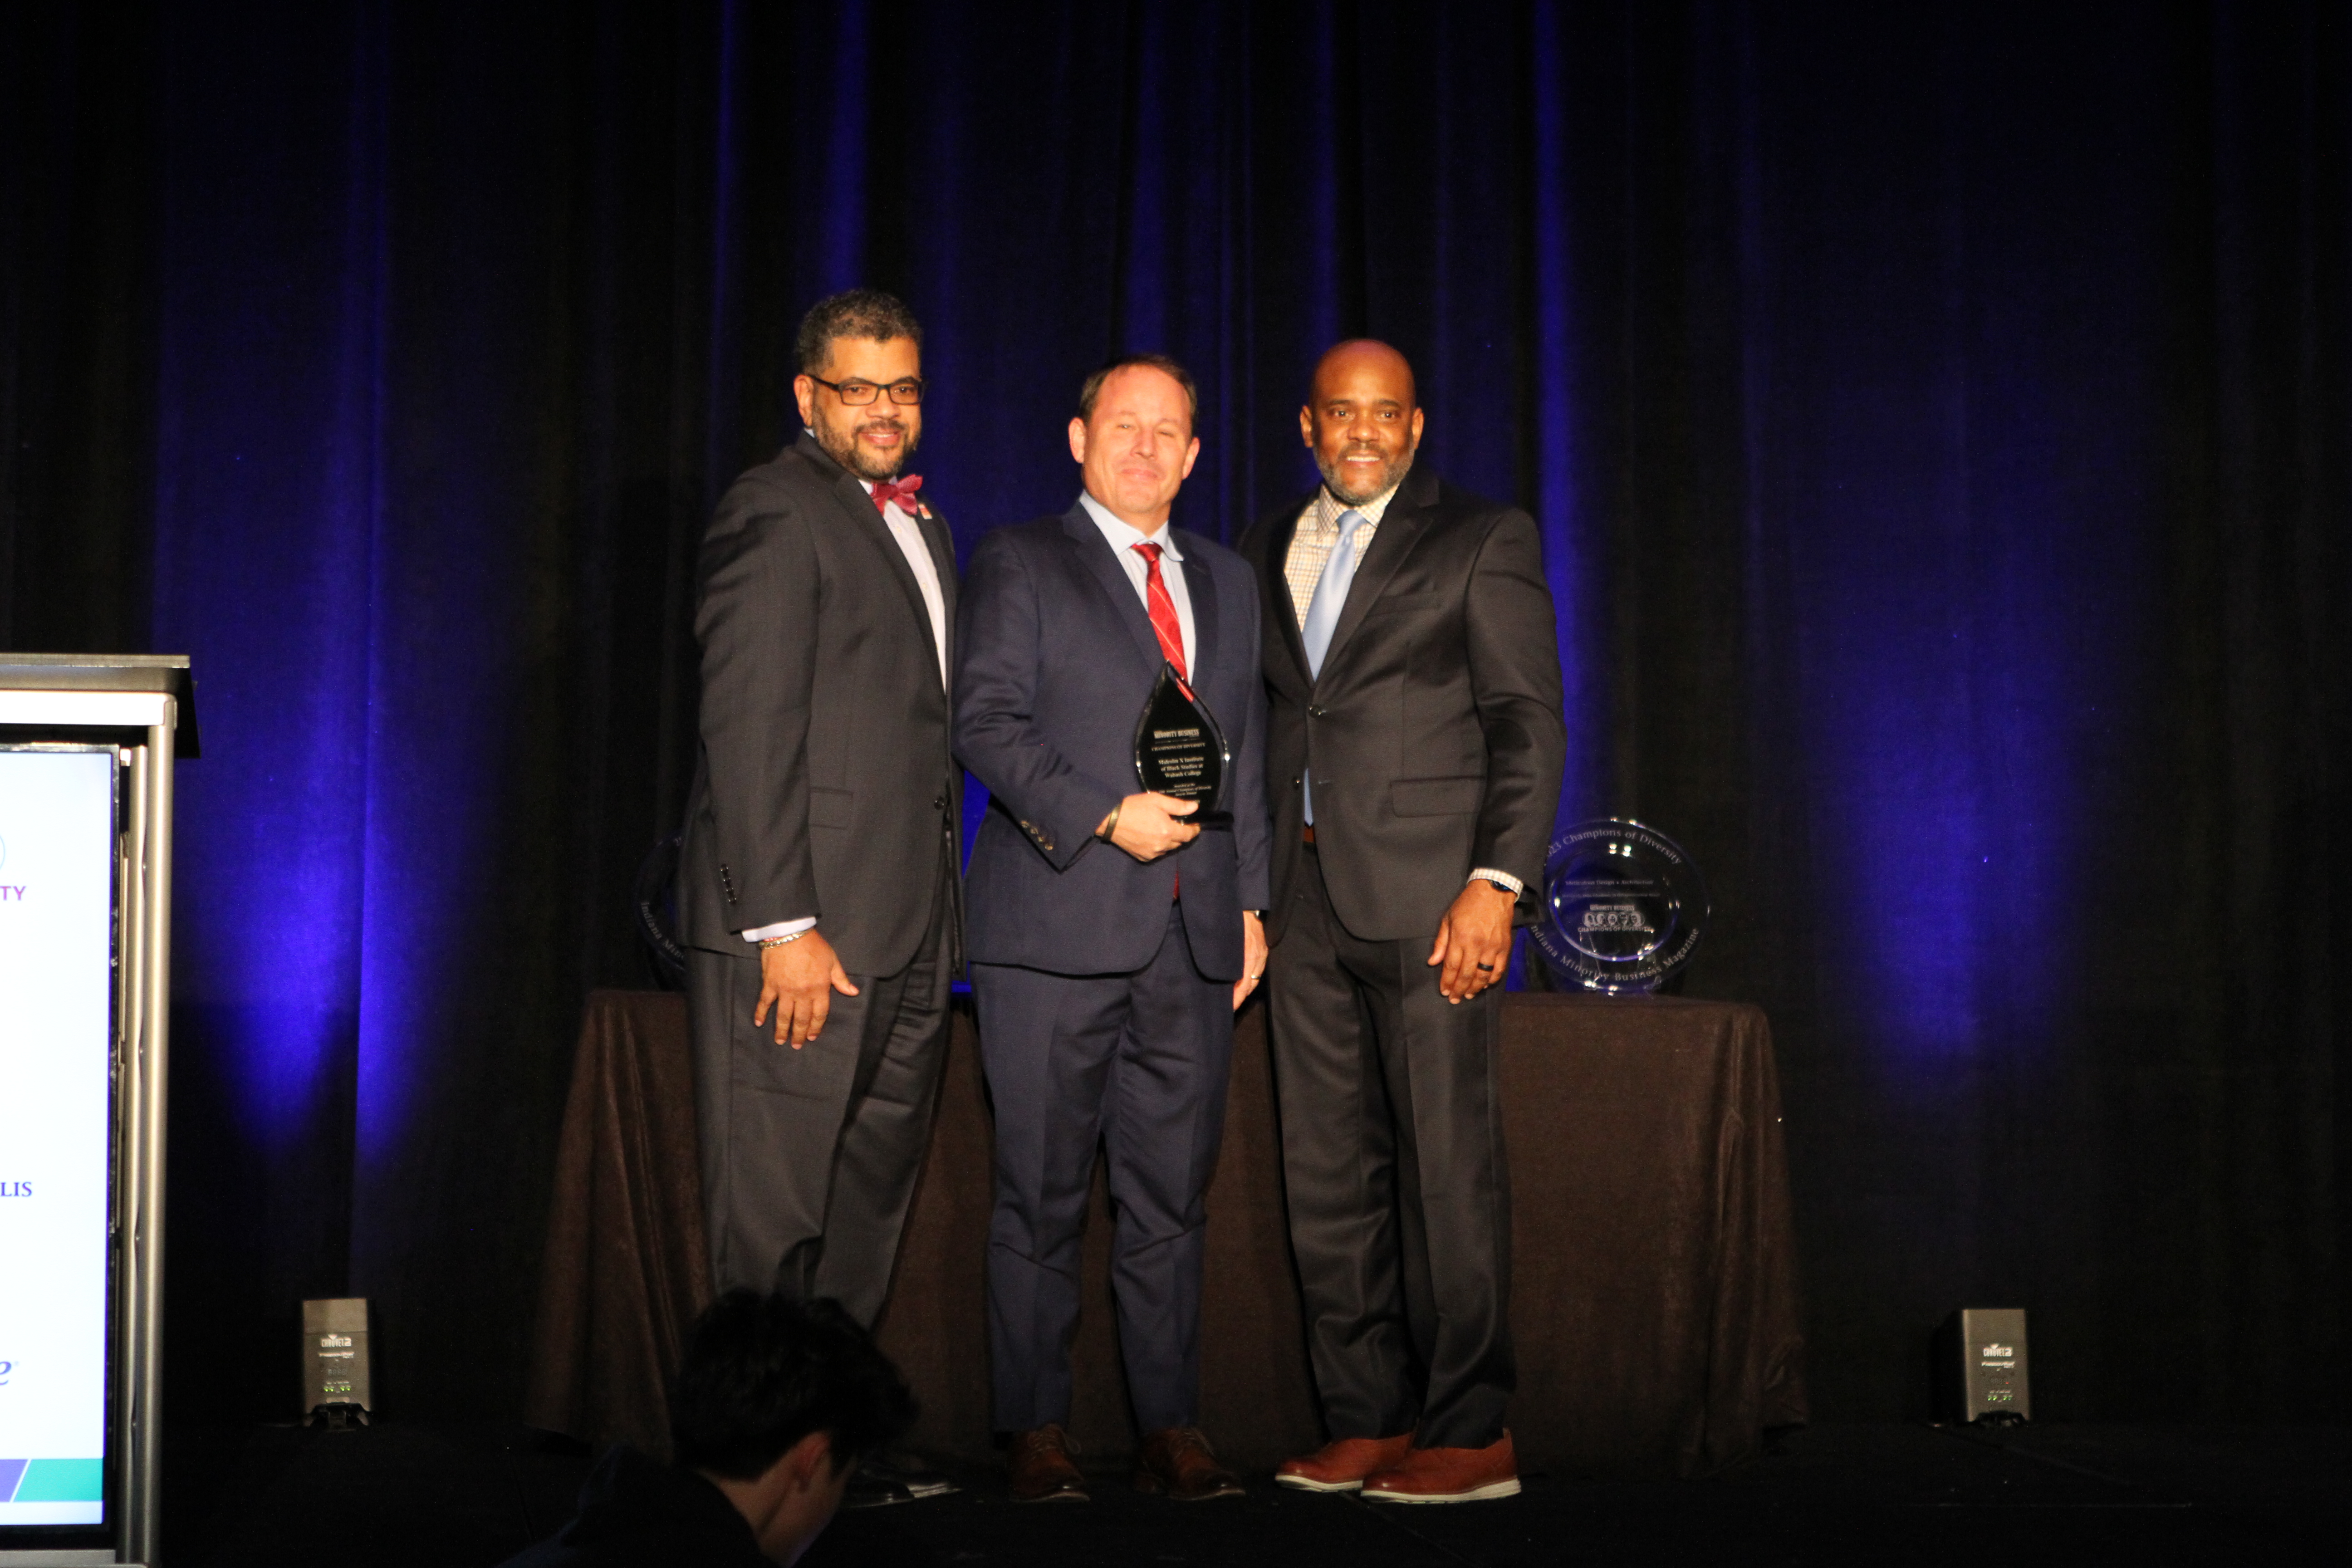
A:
(857, 393)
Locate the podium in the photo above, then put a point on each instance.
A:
(86, 747)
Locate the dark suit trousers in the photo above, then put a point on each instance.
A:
(1138, 1064)
(1393, 1162)
(809, 1157)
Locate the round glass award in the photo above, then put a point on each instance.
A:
(1622, 907)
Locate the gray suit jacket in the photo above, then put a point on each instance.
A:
(1434, 728)
(826, 786)
(1057, 658)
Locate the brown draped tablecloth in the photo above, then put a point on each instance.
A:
(1655, 1299)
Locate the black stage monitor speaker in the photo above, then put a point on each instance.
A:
(335, 1359)
(1981, 1365)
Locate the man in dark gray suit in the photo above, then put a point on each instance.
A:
(1111, 938)
(818, 875)
(1415, 743)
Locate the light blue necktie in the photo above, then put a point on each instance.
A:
(1323, 612)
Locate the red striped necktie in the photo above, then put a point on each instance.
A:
(1162, 610)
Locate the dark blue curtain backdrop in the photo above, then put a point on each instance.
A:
(1938, 416)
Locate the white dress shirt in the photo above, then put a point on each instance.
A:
(911, 544)
(909, 535)
(1123, 538)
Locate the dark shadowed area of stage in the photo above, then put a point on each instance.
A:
(462, 1496)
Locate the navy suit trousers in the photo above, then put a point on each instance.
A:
(1135, 1064)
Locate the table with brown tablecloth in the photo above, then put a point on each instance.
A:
(1655, 1299)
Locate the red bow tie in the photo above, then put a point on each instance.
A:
(900, 491)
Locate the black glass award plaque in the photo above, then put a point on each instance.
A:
(1180, 750)
(1622, 907)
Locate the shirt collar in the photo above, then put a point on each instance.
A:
(1328, 506)
(1123, 535)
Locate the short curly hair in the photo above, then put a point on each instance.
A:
(852, 313)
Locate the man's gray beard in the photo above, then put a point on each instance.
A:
(1391, 477)
(854, 458)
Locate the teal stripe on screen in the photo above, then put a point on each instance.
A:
(62, 1480)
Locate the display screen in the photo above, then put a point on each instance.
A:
(56, 992)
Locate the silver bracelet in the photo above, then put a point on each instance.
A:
(767, 942)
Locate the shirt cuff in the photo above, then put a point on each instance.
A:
(1502, 879)
(781, 928)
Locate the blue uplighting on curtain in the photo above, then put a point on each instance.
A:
(268, 499)
(1958, 469)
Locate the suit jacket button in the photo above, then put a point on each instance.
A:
(1312, 712)
(939, 803)
(1294, 784)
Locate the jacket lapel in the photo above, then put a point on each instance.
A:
(1401, 528)
(867, 519)
(1276, 592)
(1203, 590)
(1095, 550)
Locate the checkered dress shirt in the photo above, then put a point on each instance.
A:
(1311, 543)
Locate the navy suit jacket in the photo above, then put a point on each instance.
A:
(1055, 658)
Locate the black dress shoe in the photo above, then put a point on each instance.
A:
(878, 1483)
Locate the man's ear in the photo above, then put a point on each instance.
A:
(1078, 441)
(804, 395)
(1307, 425)
(809, 1462)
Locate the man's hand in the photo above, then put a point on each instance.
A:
(1474, 939)
(1150, 824)
(1252, 957)
(800, 978)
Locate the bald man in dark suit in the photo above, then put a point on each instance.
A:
(1414, 750)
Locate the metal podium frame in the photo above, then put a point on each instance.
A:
(143, 705)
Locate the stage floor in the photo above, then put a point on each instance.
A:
(409, 1494)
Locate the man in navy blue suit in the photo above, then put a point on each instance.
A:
(1111, 938)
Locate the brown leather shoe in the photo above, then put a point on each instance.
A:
(1342, 1465)
(1178, 1462)
(1448, 1475)
(1042, 1470)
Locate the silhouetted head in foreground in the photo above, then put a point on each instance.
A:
(775, 1402)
